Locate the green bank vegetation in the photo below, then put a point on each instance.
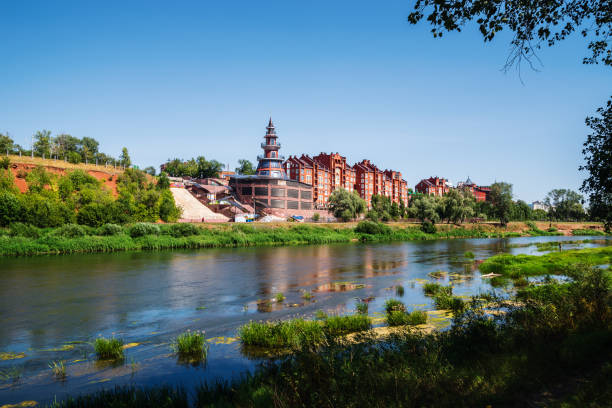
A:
(551, 334)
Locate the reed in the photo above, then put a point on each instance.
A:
(108, 349)
(190, 345)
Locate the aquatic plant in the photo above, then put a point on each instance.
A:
(432, 289)
(443, 300)
(469, 255)
(108, 349)
(399, 290)
(394, 305)
(307, 295)
(320, 315)
(341, 325)
(520, 282)
(279, 297)
(399, 318)
(295, 333)
(362, 307)
(190, 345)
(58, 368)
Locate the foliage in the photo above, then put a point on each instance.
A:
(346, 206)
(296, 333)
(426, 209)
(399, 318)
(19, 229)
(150, 170)
(394, 305)
(5, 163)
(457, 206)
(124, 159)
(279, 297)
(183, 230)
(341, 325)
(70, 231)
(428, 227)
(129, 397)
(362, 308)
(58, 368)
(532, 24)
(108, 349)
(110, 230)
(371, 227)
(587, 232)
(168, 210)
(246, 168)
(565, 205)
(10, 208)
(316, 217)
(6, 144)
(598, 157)
(468, 254)
(196, 168)
(143, 228)
(501, 200)
(382, 209)
(399, 290)
(7, 182)
(190, 345)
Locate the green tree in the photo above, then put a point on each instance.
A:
(163, 183)
(124, 159)
(150, 170)
(42, 145)
(501, 201)
(346, 206)
(89, 149)
(426, 209)
(532, 23)
(6, 144)
(598, 157)
(7, 181)
(246, 168)
(521, 211)
(39, 178)
(565, 205)
(10, 208)
(168, 210)
(65, 144)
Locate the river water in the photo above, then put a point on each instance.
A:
(53, 307)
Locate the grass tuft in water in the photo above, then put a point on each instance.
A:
(320, 315)
(394, 305)
(398, 318)
(190, 345)
(279, 297)
(108, 349)
(58, 368)
(362, 308)
(307, 295)
(296, 333)
(468, 254)
(341, 325)
(399, 290)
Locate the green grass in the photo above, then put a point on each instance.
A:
(279, 297)
(516, 266)
(296, 334)
(433, 289)
(399, 318)
(362, 307)
(108, 349)
(587, 232)
(469, 255)
(143, 236)
(190, 346)
(341, 325)
(58, 368)
(394, 305)
(307, 295)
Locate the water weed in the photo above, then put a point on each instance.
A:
(469, 255)
(394, 305)
(341, 325)
(279, 297)
(58, 368)
(108, 349)
(362, 308)
(296, 334)
(190, 345)
(399, 290)
(399, 318)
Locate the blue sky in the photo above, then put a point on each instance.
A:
(180, 79)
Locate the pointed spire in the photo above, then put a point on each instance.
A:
(270, 124)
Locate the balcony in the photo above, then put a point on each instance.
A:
(261, 157)
(273, 146)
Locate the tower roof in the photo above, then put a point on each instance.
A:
(270, 124)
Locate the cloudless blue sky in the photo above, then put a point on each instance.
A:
(181, 79)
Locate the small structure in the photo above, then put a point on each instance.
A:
(480, 193)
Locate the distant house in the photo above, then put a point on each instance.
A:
(435, 186)
(480, 193)
(538, 205)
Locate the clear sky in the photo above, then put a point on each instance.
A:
(180, 79)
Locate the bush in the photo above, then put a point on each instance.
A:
(110, 229)
(371, 227)
(316, 217)
(19, 229)
(341, 325)
(108, 349)
(362, 308)
(183, 230)
(429, 227)
(394, 305)
(142, 229)
(190, 345)
(5, 163)
(96, 214)
(399, 318)
(70, 231)
(10, 208)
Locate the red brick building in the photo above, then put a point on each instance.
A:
(435, 186)
(343, 175)
(480, 193)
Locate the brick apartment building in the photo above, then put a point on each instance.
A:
(327, 172)
(435, 186)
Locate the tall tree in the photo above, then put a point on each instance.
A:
(426, 209)
(6, 144)
(346, 206)
(124, 159)
(532, 23)
(598, 156)
(89, 148)
(501, 200)
(246, 168)
(565, 205)
(42, 144)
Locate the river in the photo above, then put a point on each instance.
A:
(53, 307)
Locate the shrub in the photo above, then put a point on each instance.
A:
(316, 217)
(108, 349)
(394, 305)
(19, 229)
(190, 345)
(183, 230)
(110, 229)
(362, 308)
(96, 214)
(142, 229)
(371, 227)
(70, 231)
(10, 208)
(399, 318)
(429, 227)
(341, 325)
(5, 163)
(551, 229)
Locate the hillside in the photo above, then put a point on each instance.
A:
(22, 165)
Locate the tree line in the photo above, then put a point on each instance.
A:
(53, 200)
(64, 147)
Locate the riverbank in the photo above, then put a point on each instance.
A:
(23, 240)
(539, 349)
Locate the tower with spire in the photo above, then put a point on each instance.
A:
(270, 164)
